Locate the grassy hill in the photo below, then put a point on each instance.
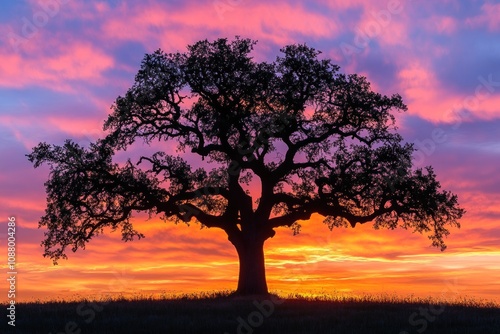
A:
(221, 313)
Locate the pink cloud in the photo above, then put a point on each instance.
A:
(420, 88)
(54, 68)
(488, 17)
(445, 25)
(80, 62)
(427, 98)
(388, 24)
(272, 21)
(89, 127)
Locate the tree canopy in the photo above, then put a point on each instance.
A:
(314, 139)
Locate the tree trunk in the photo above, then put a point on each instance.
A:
(252, 275)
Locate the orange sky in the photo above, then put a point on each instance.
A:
(181, 259)
(59, 82)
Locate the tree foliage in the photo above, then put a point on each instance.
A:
(315, 140)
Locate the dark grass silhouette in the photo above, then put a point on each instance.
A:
(222, 313)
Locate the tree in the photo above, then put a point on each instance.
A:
(314, 139)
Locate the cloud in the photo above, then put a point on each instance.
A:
(445, 25)
(490, 12)
(58, 70)
(427, 97)
(276, 22)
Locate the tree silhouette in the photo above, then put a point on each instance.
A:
(314, 140)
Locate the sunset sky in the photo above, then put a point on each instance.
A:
(64, 62)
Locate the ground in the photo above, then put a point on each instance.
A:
(220, 313)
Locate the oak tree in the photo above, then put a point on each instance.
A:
(309, 138)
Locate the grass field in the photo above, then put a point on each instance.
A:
(222, 313)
